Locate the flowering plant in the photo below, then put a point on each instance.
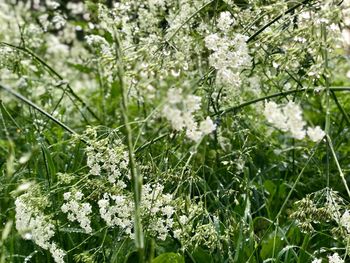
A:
(174, 131)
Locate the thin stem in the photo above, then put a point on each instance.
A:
(324, 52)
(286, 200)
(262, 29)
(42, 111)
(54, 72)
(340, 107)
(279, 94)
(338, 165)
(136, 176)
(189, 18)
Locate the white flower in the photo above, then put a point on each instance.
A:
(212, 42)
(57, 253)
(229, 58)
(225, 20)
(180, 113)
(67, 195)
(295, 122)
(345, 220)
(95, 169)
(58, 21)
(274, 115)
(52, 4)
(168, 210)
(174, 96)
(183, 219)
(32, 223)
(316, 134)
(207, 126)
(317, 260)
(192, 103)
(79, 195)
(335, 258)
(77, 211)
(287, 118)
(194, 135)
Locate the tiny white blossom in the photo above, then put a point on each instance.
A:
(95, 169)
(212, 42)
(57, 253)
(67, 195)
(315, 134)
(345, 220)
(194, 135)
(317, 260)
(58, 21)
(287, 118)
(52, 4)
(225, 20)
(335, 258)
(274, 115)
(207, 126)
(77, 211)
(174, 96)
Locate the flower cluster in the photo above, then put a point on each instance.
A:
(180, 112)
(116, 211)
(99, 44)
(156, 211)
(194, 227)
(110, 160)
(76, 210)
(345, 220)
(34, 225)
(335, 258)
(288, 118)
(230, 53)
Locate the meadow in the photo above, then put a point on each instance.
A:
(174, 131)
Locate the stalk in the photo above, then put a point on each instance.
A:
(135, 175)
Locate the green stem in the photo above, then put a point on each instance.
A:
(54, 72)
(324, 53)
(338, 165)
(262, 29)
(285, 201)
(278, 94)
(135, 175)
(188, 19)
(42, 111)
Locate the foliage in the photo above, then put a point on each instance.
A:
(174, 131)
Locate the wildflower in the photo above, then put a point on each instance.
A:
(58, 21)
(174, 96)
(315, 134)
(180, 112)
(335, 258)
(207, 126)
(345, 220)
(295, 121)
(32, 224)
(95, 169)
(57, 253)
(230, 56)
(274, 115)
(212, 42)
(225, 20)
(77, 211)
(287, 118)
(52, 4)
